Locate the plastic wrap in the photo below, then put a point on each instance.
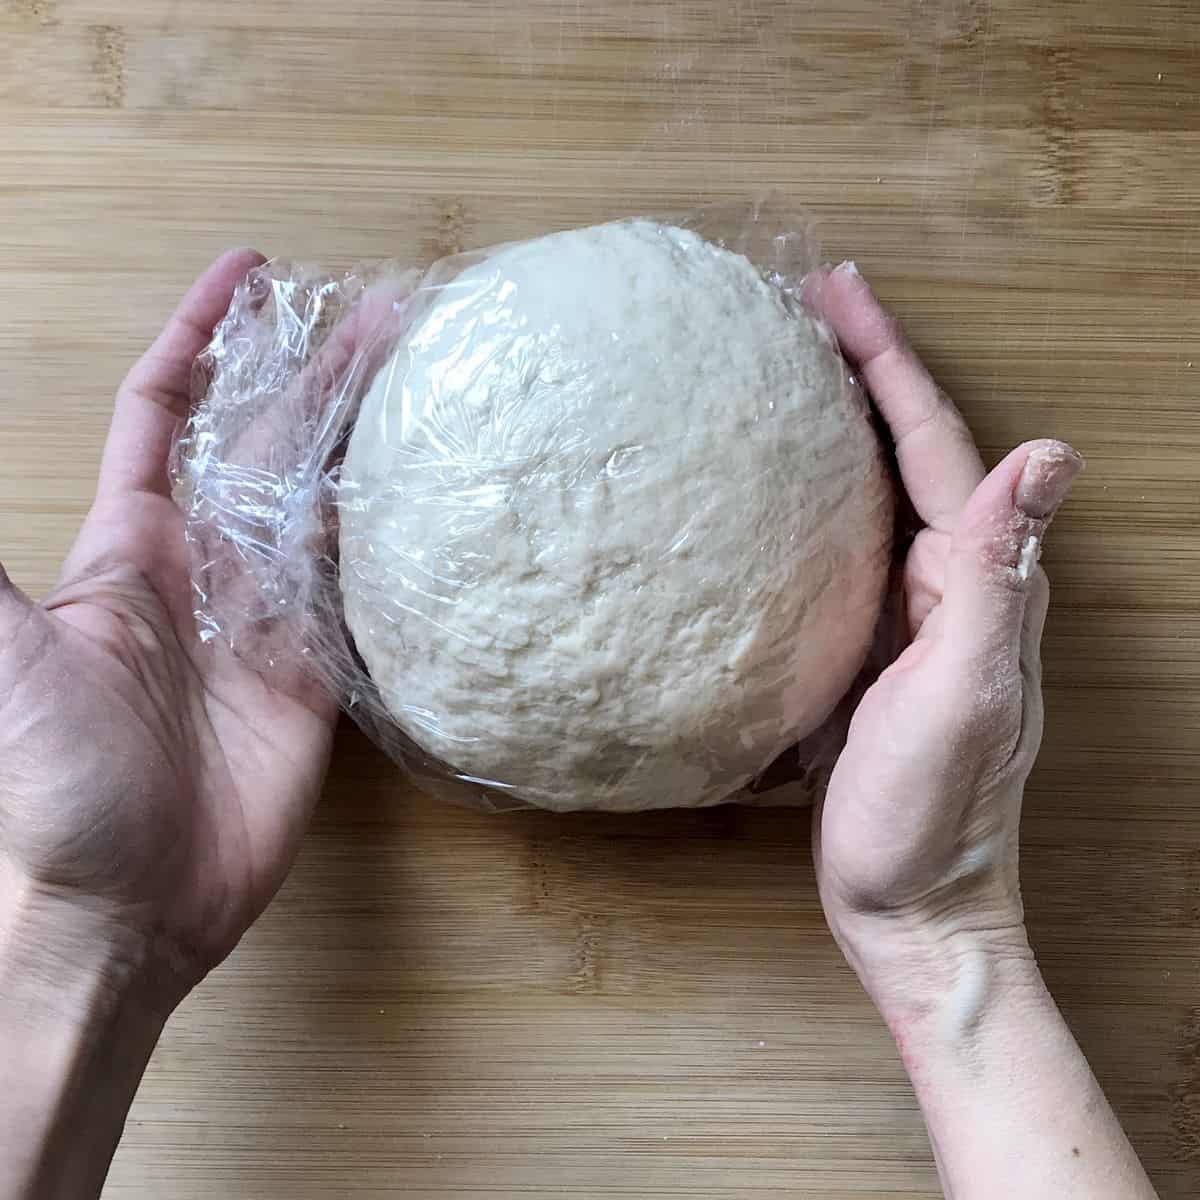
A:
(545, 516)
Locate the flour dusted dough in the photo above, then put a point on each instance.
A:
(614, 526)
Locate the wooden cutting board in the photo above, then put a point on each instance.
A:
(446, 1004)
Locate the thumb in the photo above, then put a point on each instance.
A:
(997, 540)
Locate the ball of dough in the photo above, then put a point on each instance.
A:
(615, 525)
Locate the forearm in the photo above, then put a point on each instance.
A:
(1012, 1106)
(76, 1033)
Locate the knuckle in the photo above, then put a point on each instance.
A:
(1006, 555)
(988, 704)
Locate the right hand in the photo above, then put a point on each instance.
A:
(916, 841)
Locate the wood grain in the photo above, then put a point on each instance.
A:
(444, 1004)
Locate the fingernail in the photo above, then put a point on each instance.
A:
(849, 268)
(1046, 479)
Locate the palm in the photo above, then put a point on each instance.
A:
(140, 770)
(874, 835)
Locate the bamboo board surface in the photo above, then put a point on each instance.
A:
(445, 1004)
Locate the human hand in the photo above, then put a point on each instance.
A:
(916, 841)
(153, 790)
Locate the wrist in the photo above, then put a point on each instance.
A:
(947, 1005)
(993, 1066)
(73, 962)
(76, 990)
(923, 969)
(78, 1023)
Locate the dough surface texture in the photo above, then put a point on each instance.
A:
(615, 525)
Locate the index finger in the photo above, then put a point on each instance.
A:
(363, 339)
(284, 377)
(939, 462)
(300, 417)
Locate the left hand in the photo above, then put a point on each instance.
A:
(153, 790)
